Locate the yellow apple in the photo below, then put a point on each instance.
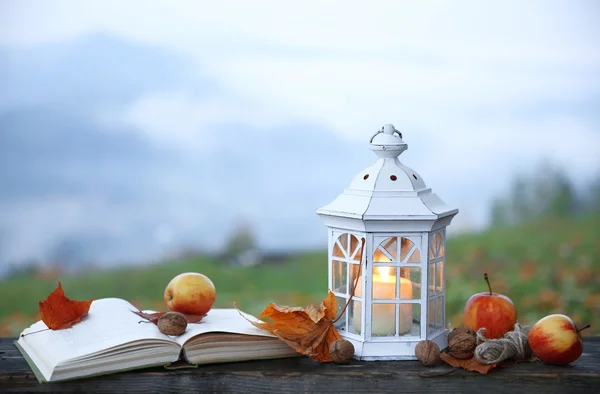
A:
(556, 340)
(190, 293)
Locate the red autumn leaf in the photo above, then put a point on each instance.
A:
(153, 317)
(59, 312)
(308, 330)
(470, 364)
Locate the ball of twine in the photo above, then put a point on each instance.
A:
(514, 345)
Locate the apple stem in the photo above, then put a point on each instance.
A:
(584, 327)
(488, 282)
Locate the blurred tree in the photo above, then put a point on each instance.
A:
(521, 203)
(548, 192)
(592, 202)
(500, 213)
(241, 247)
(554, 192)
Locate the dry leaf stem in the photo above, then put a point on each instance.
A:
(362, 255)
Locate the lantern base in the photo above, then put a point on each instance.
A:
(392, 348)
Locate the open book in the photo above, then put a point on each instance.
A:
(111, 339)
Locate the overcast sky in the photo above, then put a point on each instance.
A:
(493, 87)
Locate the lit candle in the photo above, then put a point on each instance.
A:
(382, 316)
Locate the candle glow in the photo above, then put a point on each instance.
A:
(383, 320)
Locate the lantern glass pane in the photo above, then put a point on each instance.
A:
(384, 283)
(391, 245)
(416, 320)
(415, 257)
(441, 246)
(439, 312)
(405, 319)
(355, 311)
(341, 323)
(431, 280)
(439, 270)
(339, 273)
(430, 316)
(383, 254)
(431, 248)
(383, 319)
(347, 246)
(406, 247)
(410, 284)
(436, 245)
(356, 249)
(354, 271)
(409, 253)
(337, 248)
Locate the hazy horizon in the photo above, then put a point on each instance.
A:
(129, 131)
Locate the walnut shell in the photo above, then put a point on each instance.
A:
(172, 323)
(461, 330)
(341, 351)
(462, 345)
(428, 352)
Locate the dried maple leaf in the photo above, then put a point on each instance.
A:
(470, 364)
(153, 317)
(58, 312)
(308, 330)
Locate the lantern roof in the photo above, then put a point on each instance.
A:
(388, 190)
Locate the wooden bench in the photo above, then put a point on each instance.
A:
(304, 375)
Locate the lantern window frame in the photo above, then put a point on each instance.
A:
(367, 283)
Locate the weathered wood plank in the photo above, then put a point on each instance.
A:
(303, 375)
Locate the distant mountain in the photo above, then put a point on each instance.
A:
(89, 70)
(74, 190)
(48, 151)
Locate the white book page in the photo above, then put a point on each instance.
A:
(109, 323)
(222, 320)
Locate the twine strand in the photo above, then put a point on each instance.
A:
(514, 345)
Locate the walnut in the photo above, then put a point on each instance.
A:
(341, 351)
(172, 323)
(462, 345)
(461, 330)
(428, 352)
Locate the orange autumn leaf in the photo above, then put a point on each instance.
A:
(58, 312)
(470, 364)
(309, 330)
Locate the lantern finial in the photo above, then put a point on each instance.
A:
(387, 142)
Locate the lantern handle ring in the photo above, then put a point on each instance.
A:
(382, 130)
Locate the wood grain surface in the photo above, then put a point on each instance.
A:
(305, 376)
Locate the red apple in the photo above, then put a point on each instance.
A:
(556, 340)
(190, 293)
(495, 312)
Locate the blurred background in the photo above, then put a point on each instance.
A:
(142, 139)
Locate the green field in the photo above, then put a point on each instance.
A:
(550, 266)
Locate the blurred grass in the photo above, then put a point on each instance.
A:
(550, 266)
(547, 266)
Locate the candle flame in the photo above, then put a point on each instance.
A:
(384, 274)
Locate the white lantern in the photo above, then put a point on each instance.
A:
(396, 281)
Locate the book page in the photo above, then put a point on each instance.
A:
(223, 320)
(109, 323)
